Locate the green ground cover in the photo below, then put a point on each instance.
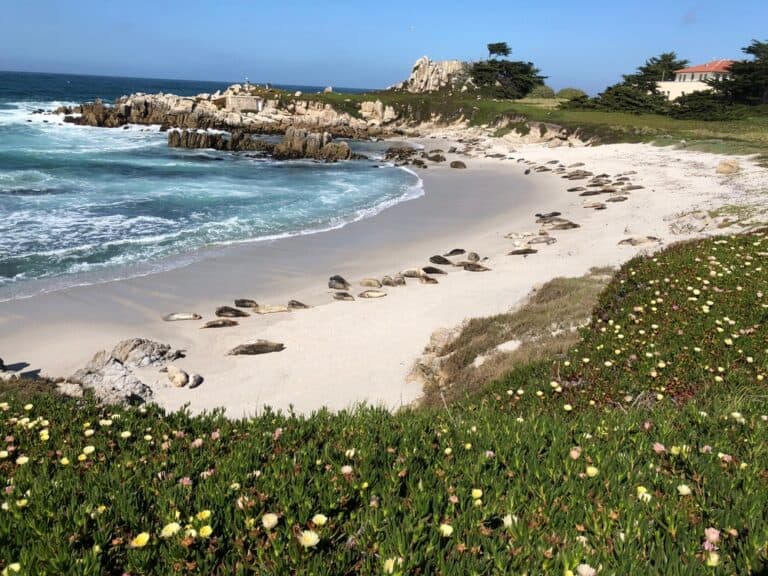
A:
(642, 450)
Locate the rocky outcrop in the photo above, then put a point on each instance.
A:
(430, 76)
(298, 143)
(111, 377)
(234, 142)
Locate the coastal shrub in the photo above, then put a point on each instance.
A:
(571, 93)
(644, 452)
(708, 106)
(542, 91)
(505, 79)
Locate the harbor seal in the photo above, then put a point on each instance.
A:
(542, 240)
(271, 309)
(337, 282)
(399, 280)
(194, 381)
(428, 280)
(296, 305)
(177, 316)
(475, 267)
(433, 270)
(258, 347)
(344, 296)
(640, 241)
(548, 215)
(412, 273)
(442, 260)
(246, 303)
(473, 257)
(567, 225)
(595, 205)
(387, 281)
(576, 189)
(220, 323)
(177, 376)
(372, 294)
(370, 283)
(455, 252)
(616, 199)
(229, 312)
(522, 252)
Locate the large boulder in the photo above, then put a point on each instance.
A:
(300, 143)
(430, 76)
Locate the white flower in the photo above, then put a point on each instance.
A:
(269, 520)
(684, 490)
(585, 570)
(445, 530)
(309, 538)
(319, 519)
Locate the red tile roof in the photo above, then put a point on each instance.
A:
(714, 66)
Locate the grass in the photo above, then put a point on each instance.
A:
(641, 450)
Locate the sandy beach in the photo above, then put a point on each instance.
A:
(338, 353)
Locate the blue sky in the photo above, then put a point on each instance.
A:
(587, 44)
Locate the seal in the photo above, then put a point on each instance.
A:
(433, 270)
(548, 215)
(640, 241)
(176, 316)
(616, 199)
(221, 323)
(346, 296)
(455, 252)
(337, 282)
(522, 252)
(370, 283)
(567, 225)
(271, 309)
(412, 273)
(388, 281)
(258, 347)
(296, 305)
(475, 267)
(473, 257)
(194, 381)
(246, 303)
(595, 205)
(372, 294)
(229, 312)
(428, 280)
(441, 260)
(576, 189)
(399, 280)
(542, 240)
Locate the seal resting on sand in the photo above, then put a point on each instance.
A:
(455, 252)
(548, 215)
(345, 296)
(370, 282)
(296, 305)
(473, 257)
(542, 240)
(616, 199)
(337, 282)
(474, 267)
(271, 309)
(433, 270)
(258, 347)
(176, 316)
(372, 294)
(221, 323)
(522, 252)
(229, 312)
(441, 260)
(428, 280)
(412, 273)
(246, 303)
(640, 241)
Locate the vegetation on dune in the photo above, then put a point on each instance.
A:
(644, 450)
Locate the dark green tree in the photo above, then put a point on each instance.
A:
(506, 79)
(499, 49)
(748, 83)
(656, 69)
(626, 98)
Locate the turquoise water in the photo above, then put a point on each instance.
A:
(82, 205)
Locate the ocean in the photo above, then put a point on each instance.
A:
(82, 205)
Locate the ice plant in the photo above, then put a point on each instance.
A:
(140, 540)
(319, 519)
(309, 538)
(170, 529)
(445, 530)
(269, 520)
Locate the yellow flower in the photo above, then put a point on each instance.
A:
(309, 538)
(13, 567)
(82, 457)
(89, 450)
(592, 471)
(445, 530)
(319, 519)
(90, 432)
(64, 461)
(28, 407)
(269, 520)
(44, 435)
(204, 515)
(684, 490)
(140, 541)
(567, 407)
(713, 559)
(22, 503)
(389, 566)
(21, 460)
(477, 493)
(125, 434)
(190, 532)
(206, 531)
(170, 530)
(3, 454)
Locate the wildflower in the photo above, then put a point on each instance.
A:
(350, 453)
(203, 515)
(445, 530)
(12, 567)
(477, 493)
(659, 448)
(88, 433)
(185, 481)
(309, 538)
(684, 490)
(319, 519)
(269, 520)
(346, 470)
(447, 451)
(467, 446)
(643, 495)
(170, 530)
(390, 563)
(105, 423)
(196, 443)
(567, 407)
(89, 450)
(125, 434)
(190, 532)
(21, 460)
(507, 521)
(64, 461)
(585, 570)
(3, 454)
(592, 471)
(22, 503)
(28, 407)
(44, 435)
(575, 452)
(206, 531)
(140, 541)
(711, 538)
(713, 559)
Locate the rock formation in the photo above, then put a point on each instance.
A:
(430, 76)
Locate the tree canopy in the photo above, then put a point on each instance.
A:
(748, 83)
(656, 69)
(499, 49)
(506, 79)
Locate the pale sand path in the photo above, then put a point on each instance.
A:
(341, 353)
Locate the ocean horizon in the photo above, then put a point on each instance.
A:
(81, 205)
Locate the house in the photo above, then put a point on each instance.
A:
(694, 79)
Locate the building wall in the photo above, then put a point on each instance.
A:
(673, 90)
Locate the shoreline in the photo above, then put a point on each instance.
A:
(341, 353)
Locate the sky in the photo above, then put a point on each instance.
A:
(586, 44)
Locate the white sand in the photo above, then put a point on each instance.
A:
(342, 353)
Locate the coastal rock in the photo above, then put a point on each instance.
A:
(298, 143)
(728, 167)
(141, 352)
(177, 376)
(431, 76)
